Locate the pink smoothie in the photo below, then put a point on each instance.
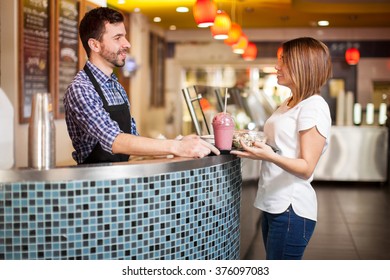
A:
(223, 126)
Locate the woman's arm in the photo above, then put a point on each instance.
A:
(311, 143)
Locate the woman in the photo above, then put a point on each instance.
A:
(299, 129)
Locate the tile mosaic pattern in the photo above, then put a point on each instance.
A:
(190, 214)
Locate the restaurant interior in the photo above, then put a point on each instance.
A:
(177, 75)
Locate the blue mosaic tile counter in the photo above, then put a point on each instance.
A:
(164, 209)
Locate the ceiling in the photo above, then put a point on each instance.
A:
(269, 13)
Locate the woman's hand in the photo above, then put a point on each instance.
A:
(311, 144)
(259, 151)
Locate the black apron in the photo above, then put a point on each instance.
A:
(120, 114)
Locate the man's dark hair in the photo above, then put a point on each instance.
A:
(93, 24)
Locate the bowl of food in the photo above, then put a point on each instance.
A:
(249, 137)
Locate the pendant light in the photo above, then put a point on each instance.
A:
(352, 56)
(235, 29)
(204, 12)
(279, 52)
(250, 53)
(221, 27)
(241, 45)
(234, 34)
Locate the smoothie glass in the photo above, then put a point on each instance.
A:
(223, 126)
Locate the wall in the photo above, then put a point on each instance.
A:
(282, 34)
(149, 120)
(9, 82)
(371, 69)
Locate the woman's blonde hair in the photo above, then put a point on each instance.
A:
(309, 64)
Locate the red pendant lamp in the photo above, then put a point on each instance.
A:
(233, 35)
(204, 12)
(279, 52)
(250, 53)
(241, 45)
(352, 56)
(221, 27)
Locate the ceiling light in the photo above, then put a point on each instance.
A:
(137, 10)
(204, 13)
(279, 53)
(323, 23)
(121, 1)
(234, 34)
(352, 56)
(241, 45)
(172, 27)
(182, 9)
(221, 26)
(157, 19)
(250, 52)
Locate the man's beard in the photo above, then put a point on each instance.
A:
(113, 58)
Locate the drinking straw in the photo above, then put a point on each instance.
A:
(226, 94)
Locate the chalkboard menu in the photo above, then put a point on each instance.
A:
(68, 16)
(35, 52)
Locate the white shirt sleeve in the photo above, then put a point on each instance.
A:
(315, 113)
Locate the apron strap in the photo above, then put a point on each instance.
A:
(96, 85)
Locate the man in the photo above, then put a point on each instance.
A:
(97, 110)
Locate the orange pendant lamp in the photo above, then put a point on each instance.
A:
(204, 13)
(241, 45)
(233, 35)
(250, 53)
(352, 56)
(279, 52)
(221, 27)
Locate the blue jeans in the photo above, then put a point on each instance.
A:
(286, 235)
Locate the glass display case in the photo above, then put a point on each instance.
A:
(252, 95)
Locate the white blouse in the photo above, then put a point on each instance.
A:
(277, 188)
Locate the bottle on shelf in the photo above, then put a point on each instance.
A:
(382, 117)
(41, 133)
(370, 114)
(357, 114)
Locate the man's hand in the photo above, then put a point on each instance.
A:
(193, 146)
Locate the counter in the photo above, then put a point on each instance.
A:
(150, 209)
(355, 153)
